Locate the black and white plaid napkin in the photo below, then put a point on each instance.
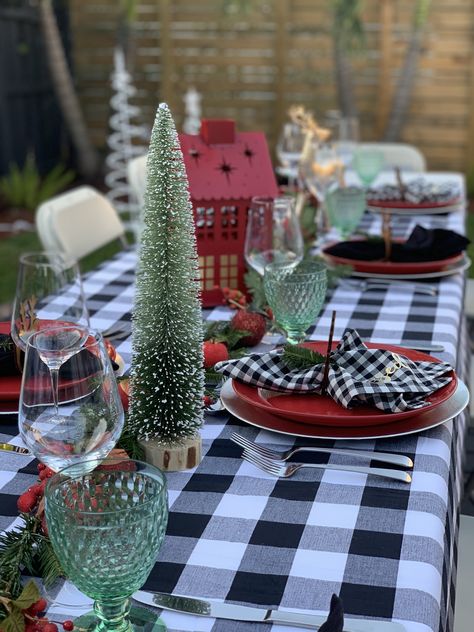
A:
(417, 191)
(357, 376)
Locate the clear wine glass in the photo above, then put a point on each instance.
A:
(289, 149)
(106, 527)
(273, 233)
(85, 417)
(348, 137)
(48, 292)
(322, 171)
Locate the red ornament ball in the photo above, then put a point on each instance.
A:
(214, 352)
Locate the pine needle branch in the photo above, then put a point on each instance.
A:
(49, 566)
(296, 357)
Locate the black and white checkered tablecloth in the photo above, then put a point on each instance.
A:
(237, 534)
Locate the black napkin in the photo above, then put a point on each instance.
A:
(8, 359)
(423, 245)
(335, 620)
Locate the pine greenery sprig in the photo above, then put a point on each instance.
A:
(221, 331)
(26, 548)
(128, 441)
(49, 567)
(296, 357)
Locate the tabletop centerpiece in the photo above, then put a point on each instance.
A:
(166, 375)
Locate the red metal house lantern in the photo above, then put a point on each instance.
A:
(225, 170)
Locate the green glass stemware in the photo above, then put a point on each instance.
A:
(295, 295)
(345, 207)
(368, 163)
(106, 528)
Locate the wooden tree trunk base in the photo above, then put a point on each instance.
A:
(173, 457)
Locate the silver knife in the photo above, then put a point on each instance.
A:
(8, 447)
(222, 610)
(423, 346)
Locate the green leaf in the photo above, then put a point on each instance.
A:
(15, 622)
(296, 357)
(29, 595)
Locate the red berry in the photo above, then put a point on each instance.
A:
(46, 473)
(36, 489)
(41, 466)
(214, 352)
(26, 502)
(38, 606)
(68, 625)
(206, 400)
(50, 627)
(253, 323)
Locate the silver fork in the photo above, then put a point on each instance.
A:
(383, 457)
(383, 284)
(286, 470)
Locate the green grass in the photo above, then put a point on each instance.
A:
(12, 247)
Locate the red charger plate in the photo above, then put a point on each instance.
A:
(10, 385)
(323, 410)
(425, 420)
(401, 204)
(392, 267)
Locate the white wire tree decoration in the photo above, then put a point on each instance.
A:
(127, 139)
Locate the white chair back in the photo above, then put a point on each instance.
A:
(78, 222)
(407, 157)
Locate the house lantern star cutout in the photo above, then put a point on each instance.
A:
(225, 169)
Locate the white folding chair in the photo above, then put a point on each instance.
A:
(407, 157)
(78, 222)
(136, 173)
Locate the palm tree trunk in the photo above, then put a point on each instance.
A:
(344, 82)
(87, 156)
(406, 81)
(404, 89)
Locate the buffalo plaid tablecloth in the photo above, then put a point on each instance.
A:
(237, 534)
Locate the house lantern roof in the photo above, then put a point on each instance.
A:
(223, 164)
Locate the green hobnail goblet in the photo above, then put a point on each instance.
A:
(367, 162)
(106, 528)
(295, 295)
(345, 208)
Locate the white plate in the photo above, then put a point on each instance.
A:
(261, 419)
(460, 266)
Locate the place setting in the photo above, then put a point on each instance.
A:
(425, 254)
(50, 311)
(415, 196)
(345, 389)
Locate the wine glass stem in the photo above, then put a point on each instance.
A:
(54, 373)
(113, 615)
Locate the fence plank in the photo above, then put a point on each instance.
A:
(251, 66)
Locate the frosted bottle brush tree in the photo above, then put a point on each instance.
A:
(167, 374)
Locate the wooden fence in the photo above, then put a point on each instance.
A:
(252, 66)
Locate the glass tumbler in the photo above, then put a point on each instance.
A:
(296, 296)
